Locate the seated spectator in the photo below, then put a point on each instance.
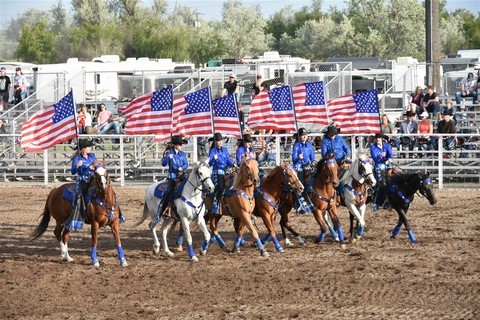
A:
(104, 117)
(431, 101)
(271, 153)
(448, 106)
(260, 147)
(447, 127)
(409, 126)
(468, 88)
(415, 101)
(389, 129)
(86, 123)
(425, 130)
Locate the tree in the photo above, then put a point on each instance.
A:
(37, 44)
(242, 29)
(207, 44)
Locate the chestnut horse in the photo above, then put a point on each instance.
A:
(323, 196)
(239, 202)
(275, 186)
(102, 211)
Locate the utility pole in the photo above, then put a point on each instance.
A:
(197, 21)
(433, 50)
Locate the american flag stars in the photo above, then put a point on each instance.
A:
(281, 99)
(315, 94)
(366, 102)
(225, 107)
(198, 101)
(64, 108)
(162, 100)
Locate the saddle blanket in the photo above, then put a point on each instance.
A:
(161, 188)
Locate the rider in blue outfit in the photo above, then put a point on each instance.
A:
(245, 149)
(333, 143)
(382, 155)
(219, 159)
(303, 158)
(82, 166)
(177, 163)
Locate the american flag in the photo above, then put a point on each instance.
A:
(154, 117)
(50, 126)
(192, 113)
(310, 104)
(273, 110)
(356, 113)
(135, 105)
(225, 118)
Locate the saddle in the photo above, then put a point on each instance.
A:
(160, 189)
(70, 190)
(391, 172)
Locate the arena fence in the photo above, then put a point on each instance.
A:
(137, 159)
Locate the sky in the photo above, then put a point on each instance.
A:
(209, 9)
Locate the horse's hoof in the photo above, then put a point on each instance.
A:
(353, 240)
(156, 250)
(123, 262)
(194, 259)
(264, 253)
(203, 253)
(96, 264)
(67, 259)
(235, 249)
(280, 250)
(169, 254)
(357, 237)
(343, 246)
(336, 239)
(393, 237)
(179, 249)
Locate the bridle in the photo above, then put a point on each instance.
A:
(329, 162)
(249, 174)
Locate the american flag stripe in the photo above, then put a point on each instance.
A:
(50, 126)
(310, 106)
(357, 113)
(199, 120)
(267, 114)
(135, 105)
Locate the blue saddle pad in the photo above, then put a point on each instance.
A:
(161, 188)
(69, 192)
(228, 193)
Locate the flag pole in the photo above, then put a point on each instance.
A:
(211, 110)
(293, 107)
(76, 120)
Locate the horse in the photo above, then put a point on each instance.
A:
(323, 196)
(188, 206)
(102, 210)
(356, 181)
(400, 192)
(276, 185)
(239, 202)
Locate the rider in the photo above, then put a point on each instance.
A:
(333, 143)
(219, 159)
(382, 155)
(245, 149)
(82, 166)
(303, 158)
(177, 163)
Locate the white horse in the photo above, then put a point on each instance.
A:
(189, 207)
(354, 195)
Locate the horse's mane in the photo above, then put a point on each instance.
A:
(272, 173)
(238, 178)
(320, 164)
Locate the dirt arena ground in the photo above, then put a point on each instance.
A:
(376, 278)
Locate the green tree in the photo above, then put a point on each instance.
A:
(207, 44)
(37, 44)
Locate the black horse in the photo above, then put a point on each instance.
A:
(400, 192)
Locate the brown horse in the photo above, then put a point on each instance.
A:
(276, 186)
(103, 210)
(239, 203)
(323, 196)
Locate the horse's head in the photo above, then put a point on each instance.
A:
(249, 172)
(100, 175)
(290, 178)
(426, 188)
(365, 170)
(203, 174)
(328, 169)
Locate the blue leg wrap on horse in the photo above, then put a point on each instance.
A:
(237, 241)
(321, 237)
(277, 244)
(120, 252)
(111, 215)
(94, 255)
(396, 231)
(191, 253)
(242, 242)
(341, 237)
(411, 236)
(205, 245)
(333, 233)
(220, 241)
(266, 239)
(360, 230)
(180, 239)
(213, 239)
(259, 244)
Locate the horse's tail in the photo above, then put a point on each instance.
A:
(143, 217)
(42, 227)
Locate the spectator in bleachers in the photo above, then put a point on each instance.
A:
(447, 126)
(271, 153)
(260, 147)
(389, 128)
(415, 101)
(104, 118)
(468, 88)
(449, 106)
(231, 87)
(5, 83)
(425, 130)
(20, 86)
(409, 126)
(431, 101)
(259, 86)
(85, 121)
